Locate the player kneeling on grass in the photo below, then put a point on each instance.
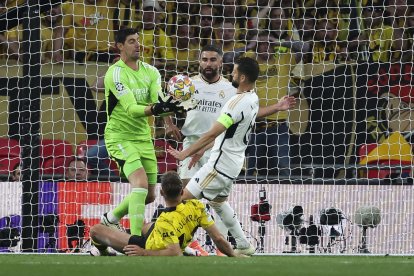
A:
(169, 234)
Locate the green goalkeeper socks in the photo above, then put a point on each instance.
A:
(121, 210)
(136, 209)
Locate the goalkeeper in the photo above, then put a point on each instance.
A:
(132, 89)
(170, 233)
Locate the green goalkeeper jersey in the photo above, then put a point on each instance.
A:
(128, 93)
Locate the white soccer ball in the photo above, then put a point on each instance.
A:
(181, 88)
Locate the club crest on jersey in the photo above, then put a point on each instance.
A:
(222, 95)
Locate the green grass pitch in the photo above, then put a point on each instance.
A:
(83, 265)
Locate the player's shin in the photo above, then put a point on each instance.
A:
(136, 209)
(120, 210)
(220, 225)
(228, 216)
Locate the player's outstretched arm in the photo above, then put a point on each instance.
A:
(222, 244)
(204, 140)
(171, 130)
(285, 103)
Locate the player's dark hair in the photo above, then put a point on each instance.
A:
(76, 159)
(122, 34)
(171, 185)
(248, 67)
(212, 48)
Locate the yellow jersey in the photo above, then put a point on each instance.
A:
(155, 44)
(128, 15)
(380, 43)
(274, 78)
(46, 34)
(178, 224)
(187, 59)
(90, 26)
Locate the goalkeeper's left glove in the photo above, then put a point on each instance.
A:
(166, 107)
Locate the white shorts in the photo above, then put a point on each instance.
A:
(208, 183)
(183, 170)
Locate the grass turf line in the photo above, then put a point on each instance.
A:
(73, 265)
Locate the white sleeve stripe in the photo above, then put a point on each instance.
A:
(116, 74)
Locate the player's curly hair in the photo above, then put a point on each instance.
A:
(171, 185)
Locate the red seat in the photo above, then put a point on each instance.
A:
(55, 154)
(166, 162)
(9, 155)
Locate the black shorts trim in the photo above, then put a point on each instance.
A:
(141, 240)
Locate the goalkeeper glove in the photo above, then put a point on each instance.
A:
(166, 107)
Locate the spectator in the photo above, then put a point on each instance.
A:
(77, 170)
(326, 47)
(226, 41)
(305, 26)
(397, 10)
(16, 174)
(226, 37)
(157, 46)
(50, 20)
(381, 37)
(97, 158)
(186, 49)
(180, 11)
(257, 14)
(269, 143)
(206, 30)
(87, 29)
(232, 11)
(128, 14)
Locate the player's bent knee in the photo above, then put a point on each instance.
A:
(95, 230)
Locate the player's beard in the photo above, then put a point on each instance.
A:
(209, 75)
(235, 83)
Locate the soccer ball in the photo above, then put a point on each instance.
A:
(180, 88)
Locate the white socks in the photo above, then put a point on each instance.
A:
(230, 221)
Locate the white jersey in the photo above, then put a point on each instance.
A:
(211, 98)
(228, 153)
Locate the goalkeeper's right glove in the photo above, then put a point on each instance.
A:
(166, 107)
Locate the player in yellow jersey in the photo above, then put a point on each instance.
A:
(170, 233)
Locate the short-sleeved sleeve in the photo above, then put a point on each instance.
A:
(234, 108)
(205, 218)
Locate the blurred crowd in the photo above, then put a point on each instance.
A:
(282, 35)
(172, 32)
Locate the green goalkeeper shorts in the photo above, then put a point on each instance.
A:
(131, 156)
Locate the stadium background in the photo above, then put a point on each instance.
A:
(344, 108)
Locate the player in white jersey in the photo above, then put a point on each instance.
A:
(213, 91)
(230, 134)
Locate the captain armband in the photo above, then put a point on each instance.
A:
(226, 120)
